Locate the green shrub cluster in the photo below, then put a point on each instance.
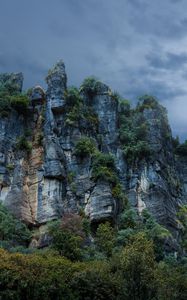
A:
(10, 98)
(124, 107)
(90, 86)
(181, 149)
(132, 134)
(24, 144)
(13, 233)
(76, 113)
(67, 240)
(10, 167)
(182, 220)
(85, 147)
(19, 102)
(104, 168)
(147, 102)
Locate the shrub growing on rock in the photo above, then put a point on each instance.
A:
(23, 144)
(147, 102)
(84, 147)
(12, 231)
(104, 168)
(11, 99)
(72, 96)
(90, 86)
(19, 102)
(182, 149)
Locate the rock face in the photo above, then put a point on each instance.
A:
(56, 81)
(41, 184)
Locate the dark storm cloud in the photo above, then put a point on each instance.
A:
(170, 61)
(135, 46)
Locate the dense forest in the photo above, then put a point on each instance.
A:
(128, 261)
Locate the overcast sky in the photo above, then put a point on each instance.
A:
(135, 46)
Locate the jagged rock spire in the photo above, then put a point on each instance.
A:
(57, 83)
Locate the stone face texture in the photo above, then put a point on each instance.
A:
(56, 81)
(100, 203)
(50, 180)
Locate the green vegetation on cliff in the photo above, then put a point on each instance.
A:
(10, 98)
(13, 233)
(133, 133)
(121, 263)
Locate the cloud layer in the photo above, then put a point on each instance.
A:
(135, 46)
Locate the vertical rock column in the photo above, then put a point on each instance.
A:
(52, 187)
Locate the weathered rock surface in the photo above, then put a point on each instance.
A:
(49, 180)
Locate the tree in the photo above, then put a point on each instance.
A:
(171, 280)
(137, 265)
(182, 219)
(105, 238)
(12, 231)
(96, 282)
(156, 232)
(68, 235)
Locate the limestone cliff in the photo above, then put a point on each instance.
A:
(41, 183)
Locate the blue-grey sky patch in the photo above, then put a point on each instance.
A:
(135, 46)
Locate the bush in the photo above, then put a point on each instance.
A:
(182, 219)
(133, 131)
(118, 194)
(23, 144)
(103, 159)
(175, 142)
(84, 147)
(104, 168)
(128, 219)
(124, 107)
(68, 236)
(182, 149)
(4, 103)
(105, 238)
(104, 174)
(19, 102)
(10, 167)
(77, 114)
(12, 231)
(126, 136)
(138, 151)
(72, 96)
(90, 86)
(9, 98)
(146, 102)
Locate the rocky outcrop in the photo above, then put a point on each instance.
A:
(56, 80)
(155, 183)
(41, 184)
(100, 205)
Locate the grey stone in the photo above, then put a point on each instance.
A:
(51, 180)
(56, 81)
